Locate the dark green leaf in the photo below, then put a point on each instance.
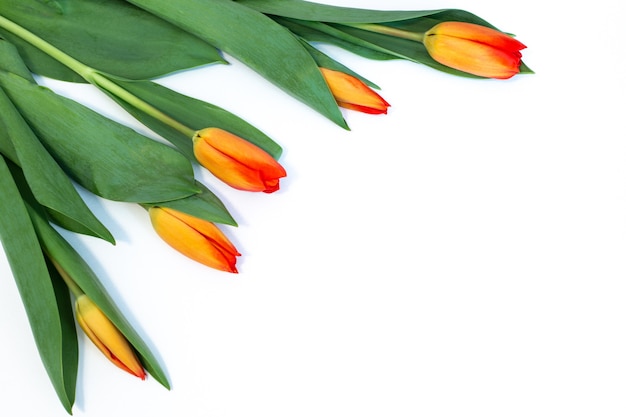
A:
(304, 10)
(204, 205)
(110, 35)
(255, 40)
(11, 61)
(106, 158)
(325, 61)
(49, 315)
(195, 114)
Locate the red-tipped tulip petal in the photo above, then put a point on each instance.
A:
(352, 93)
(195, 238)
(107, 338)
(237, 162)
(474, 49)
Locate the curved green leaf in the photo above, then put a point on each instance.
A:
(255, 40)
(204, 205)
(110, 35)
(304, 10)
(107, 158)
(193, 113)
(46, 304)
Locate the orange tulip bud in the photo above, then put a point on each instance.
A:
(237, 162)
(351, 93)
(195, 238)
(107, 338)
(474, 49)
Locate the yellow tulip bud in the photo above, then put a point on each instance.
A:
(107, 338)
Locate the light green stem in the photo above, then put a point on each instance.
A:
(74, 288)
(388, 30)
(93, 76)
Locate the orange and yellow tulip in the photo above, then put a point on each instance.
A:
(195, 238)
(352, 93)
(107, 338)
(474, 49)
(237, 162)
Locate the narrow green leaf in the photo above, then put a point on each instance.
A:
(111, 35)
(105, 157)
(11, 61)
(255, 40)
(204, 205)
(191, 112)
(47, 308)
(325, 61)
(304, 10)
(66, 256)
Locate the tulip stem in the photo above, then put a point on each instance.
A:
(388, 30)
(93, 76)
(74, 288)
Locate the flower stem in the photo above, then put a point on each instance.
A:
(93, 76)
(74, 288)
(388, 30)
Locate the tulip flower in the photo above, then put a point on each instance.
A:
(107, 338)
(195, 238)
(352, 93)
(474, 49)
(237, 162)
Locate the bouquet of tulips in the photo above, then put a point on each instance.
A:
(48, 142)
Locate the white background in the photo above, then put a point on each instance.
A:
(462, 255)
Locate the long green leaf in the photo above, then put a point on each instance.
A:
(11, 61)
(48, 312)
(204, 205)
(304, 10)
(110, 35)
(193, 113)
(255, 40)
(107, 158)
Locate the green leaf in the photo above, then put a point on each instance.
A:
(46, 304)
(105, 157)
(111, 35)
(193, 113)
(11, 61)
(304, 10)
(204, 205)
(75, 266)
(255, 40)
(325, 61)
(51, 186)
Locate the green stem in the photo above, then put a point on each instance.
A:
(388, 30)
(74, 288)
(92, 76)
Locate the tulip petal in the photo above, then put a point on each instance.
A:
(236, 161)
(208, 229)
(192, 243)
(354, 94)
(473, 57)
(478, 33)
(107, 338)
